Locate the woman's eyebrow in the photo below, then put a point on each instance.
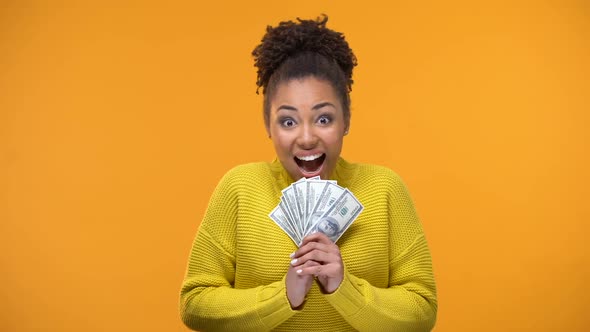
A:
(314, 108)
(287, 107)
(321, 105)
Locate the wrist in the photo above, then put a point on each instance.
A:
(295, 302)
(330, 286)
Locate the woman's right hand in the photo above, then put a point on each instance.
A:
(298, 285)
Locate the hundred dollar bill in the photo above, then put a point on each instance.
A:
(291, 219)
(290, 204)
(336, 220)
(327, 197)
(308, 205)
(279, 217)
(312, 195)
(299, 188)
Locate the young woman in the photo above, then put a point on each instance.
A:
(245, 274)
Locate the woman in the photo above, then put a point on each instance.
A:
(244, 272)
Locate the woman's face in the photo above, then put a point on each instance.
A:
(307, 127)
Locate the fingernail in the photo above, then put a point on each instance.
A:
(294, 261)
(292, 254)
(299, 271)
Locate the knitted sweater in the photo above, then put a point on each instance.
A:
(235, 279)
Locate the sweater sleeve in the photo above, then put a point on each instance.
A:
(409, 303)
(208, 299)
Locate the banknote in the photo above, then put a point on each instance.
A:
(290, 205)
(339, 216)
(327, 197)
(315, 205)
(312, 194)
(279, 217)
(298, 188)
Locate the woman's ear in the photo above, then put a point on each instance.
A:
(346, 125)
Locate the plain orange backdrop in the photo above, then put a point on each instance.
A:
(117, 119)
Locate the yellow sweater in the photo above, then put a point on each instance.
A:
(235, 279)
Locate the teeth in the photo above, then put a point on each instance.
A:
(310, 158)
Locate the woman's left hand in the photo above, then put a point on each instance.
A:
(319, 248)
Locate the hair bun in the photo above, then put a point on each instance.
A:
(290, 38)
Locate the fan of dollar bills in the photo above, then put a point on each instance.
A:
(315, 205)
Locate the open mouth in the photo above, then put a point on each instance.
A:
(311, 165)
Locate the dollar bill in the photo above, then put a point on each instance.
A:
(336, 220)
(308, 205)
(327, 197)
(299, 189)
(279, 217)
(292, 220)
(290, 205)
(312, 194)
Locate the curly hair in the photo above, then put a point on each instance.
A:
(301, 49)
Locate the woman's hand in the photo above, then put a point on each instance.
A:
(328, 267)
(298, 285)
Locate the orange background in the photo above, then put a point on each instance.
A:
(117, 121)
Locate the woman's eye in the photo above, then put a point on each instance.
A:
(324, 120)
(287, 122)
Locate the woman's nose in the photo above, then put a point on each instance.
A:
(307, 138)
